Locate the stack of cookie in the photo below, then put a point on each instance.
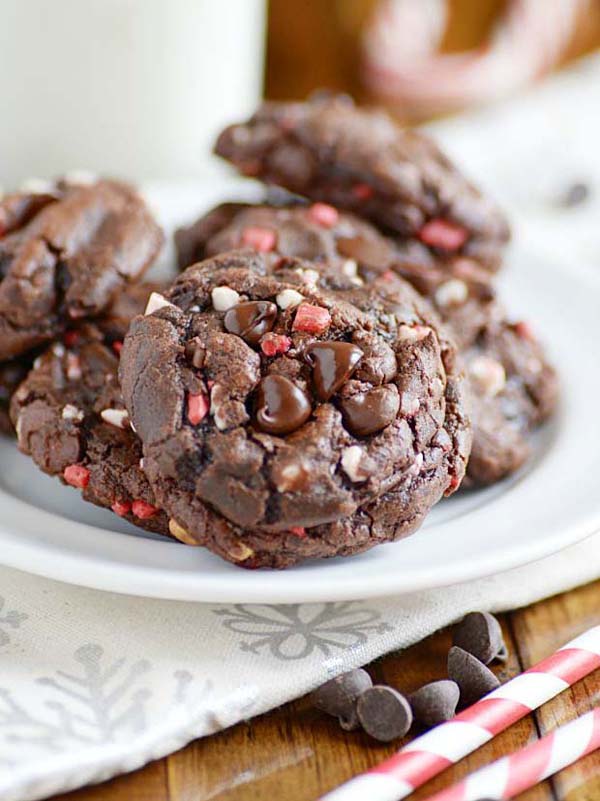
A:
(326, 367)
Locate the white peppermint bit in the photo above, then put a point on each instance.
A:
(409, 404)
(351, 463)
(489, 374)
(155, 302)
(289, 298)
(215, 407)
(81, 178)
(451, 293)
(58, 350)
(413, 333)
(416, 466)
(350, 268)
(37, 186)
(310, 276)
(142, 463)
(71, 412)
(115, 417)
(224, 298)
(73, 367)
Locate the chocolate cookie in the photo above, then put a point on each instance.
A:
(514, 389)
(282, 421)
(360, 160)
(70, 418)
(459, 289)
(65, 253)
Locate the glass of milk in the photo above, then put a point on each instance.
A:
(135, 88)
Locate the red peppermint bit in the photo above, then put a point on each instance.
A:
(323, 214)
(117, 346)
(272, 344)
(144, 510)
(197, 408)
(77, 476)
(388, 275)
(298, 531)
(452, 486)
(524, 330)
(121, 508)
(311, 319)
(71, 338)
(261, 239)
(362, 191)
(210, 383)
(442, 234)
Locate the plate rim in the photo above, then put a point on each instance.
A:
(103, 572)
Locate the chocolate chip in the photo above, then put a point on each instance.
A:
(333, 363)
(251, 320)
(575, 194)
(282, 407)
(472, 676)
(384, 713)
(480, 634)
(338, 697)
(369, 412)
(435, 702)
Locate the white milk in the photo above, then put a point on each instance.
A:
(137, 88)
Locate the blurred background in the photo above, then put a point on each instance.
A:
(423, 58)
(140, 88)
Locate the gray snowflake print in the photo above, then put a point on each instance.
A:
(10, 619)
(99, 702)
(295, 631)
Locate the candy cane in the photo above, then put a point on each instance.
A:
(511, 775)
(433, 752)
(402, 64)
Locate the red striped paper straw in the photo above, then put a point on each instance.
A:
(447, 744)
(512, 775)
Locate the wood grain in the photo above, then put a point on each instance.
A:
(297, 754)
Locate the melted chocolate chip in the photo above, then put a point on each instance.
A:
(251, 320)
(333, 363)
(369, 412)
(282, 407)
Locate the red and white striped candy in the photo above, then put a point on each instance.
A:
(512, 775)
(447, 744)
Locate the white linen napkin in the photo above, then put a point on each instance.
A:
(93, 684)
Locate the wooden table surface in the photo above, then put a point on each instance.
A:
(296, 754)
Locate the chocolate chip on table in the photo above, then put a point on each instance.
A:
(480, 634)
(338, 697)
(435, 702)
(384, 713)
(575, 194)
(473, 678)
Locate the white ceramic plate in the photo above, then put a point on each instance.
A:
(46, 529)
